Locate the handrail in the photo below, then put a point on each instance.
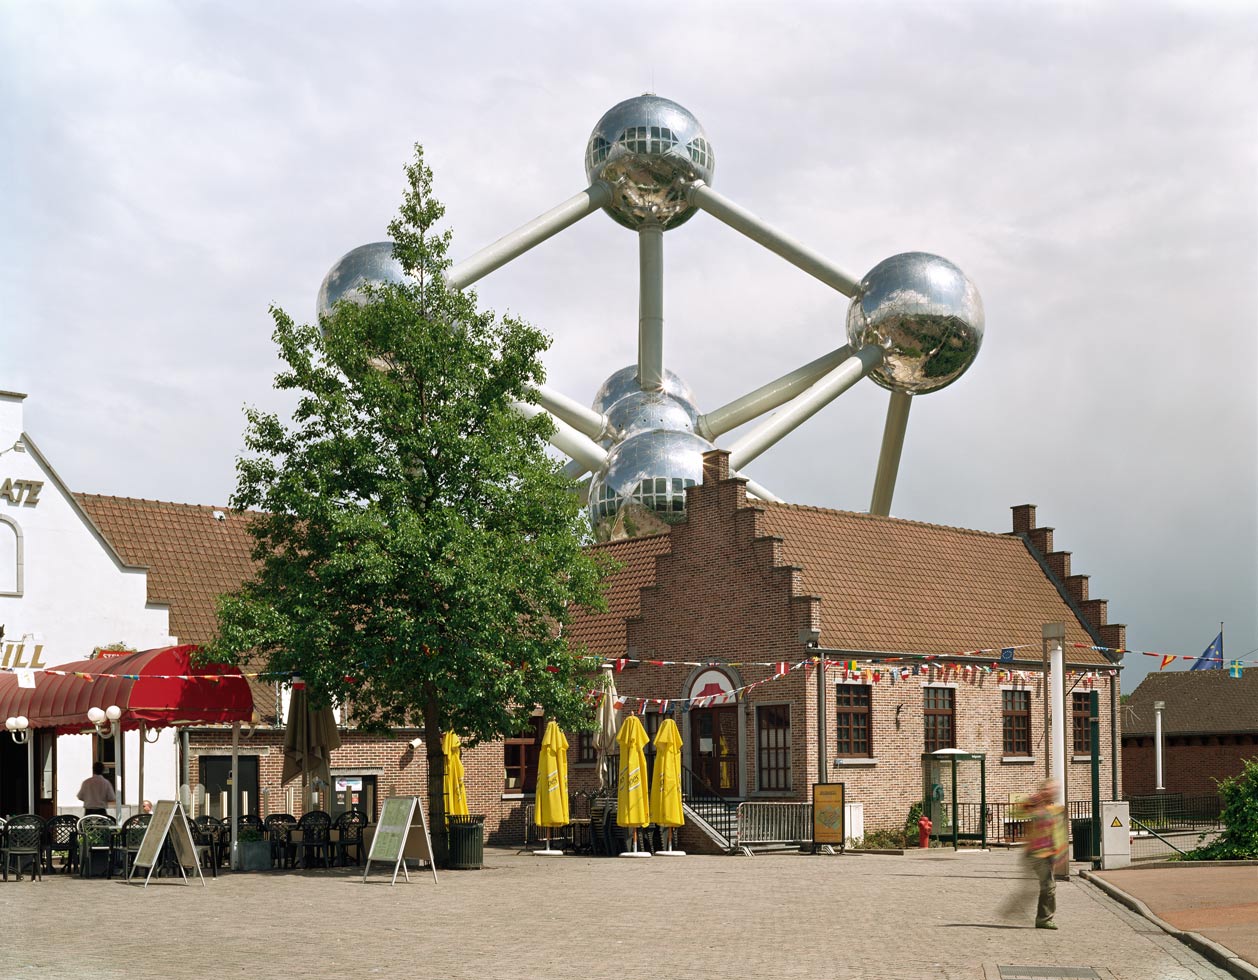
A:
(1149, 830)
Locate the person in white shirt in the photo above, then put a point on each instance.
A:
(97, 792)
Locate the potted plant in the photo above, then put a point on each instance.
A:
(95, 853)
(255, 852)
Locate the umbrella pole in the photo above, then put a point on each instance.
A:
(235, 796)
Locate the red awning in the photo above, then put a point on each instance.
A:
(158, 687)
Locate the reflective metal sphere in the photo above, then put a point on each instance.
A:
(625, 382)
(654, 468)
(642, 411)
(372, 263)
(648, 149)
(925, 313)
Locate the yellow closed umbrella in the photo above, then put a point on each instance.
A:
(551, 809)
(632, 806)
(453, 792)
(666, 782)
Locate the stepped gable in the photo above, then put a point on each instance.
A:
(192, 557)
(1198, 702)
(897, 585)
(603, 633)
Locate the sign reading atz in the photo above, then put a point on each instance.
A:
(22, 491)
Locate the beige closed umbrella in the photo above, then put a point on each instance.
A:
(309, 738)
(608, 726)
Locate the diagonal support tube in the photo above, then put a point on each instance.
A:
(757, 491)
(515, 244)
(566, 439)
(585, 420)
(744, 222)
(889, 457)
(770, 396)
(817, 397)
(651, 308)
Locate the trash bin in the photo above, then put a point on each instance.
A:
(1081, 837)
(467, 843)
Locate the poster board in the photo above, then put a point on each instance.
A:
(169, 822)
(394, 838)
(828, 823)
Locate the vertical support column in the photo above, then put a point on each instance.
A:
(1094, 704)
(31, 736)
(234, 797)
(821, 721)
(651, 308)
(1114, 746)
(1055, 690)
(1157, 744)
(889, 457)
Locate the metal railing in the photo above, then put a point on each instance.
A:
(774, 823)
(718, 812)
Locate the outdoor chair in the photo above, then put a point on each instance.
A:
(96, 838)
(579, 815)
(249, 821)
(61, 835)
(23, 838)
(127, 842)
(350, 827)
(314, 845)
(207, 834)
(278, 829)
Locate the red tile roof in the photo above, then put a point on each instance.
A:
(1198, 702)
(604, 633)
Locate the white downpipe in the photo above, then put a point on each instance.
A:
(746, 223)
(516, 243)
(1057, 680)
(585, 420)
(892, 449)
(813, 400)
(768, 397)
(583, 450)
(651, 308)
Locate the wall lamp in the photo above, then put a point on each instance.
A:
(98, 718)
(19, 728)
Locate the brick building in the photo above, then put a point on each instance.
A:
(1209, 729)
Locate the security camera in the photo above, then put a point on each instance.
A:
(416, 742)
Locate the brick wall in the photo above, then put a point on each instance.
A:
(1191, 765)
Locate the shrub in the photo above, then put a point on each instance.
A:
(1239, 815)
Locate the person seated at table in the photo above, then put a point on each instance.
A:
(146, 806)
(97, 792)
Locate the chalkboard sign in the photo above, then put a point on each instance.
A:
(168, 821)
(394, 838)
(828, 825)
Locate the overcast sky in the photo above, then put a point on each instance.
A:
(169, 170)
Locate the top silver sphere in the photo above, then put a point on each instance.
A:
(648, 148)
(368, 264)
(927, 316)
(625, 382)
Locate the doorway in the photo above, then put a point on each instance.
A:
(714, 754)
(14, 769)
(216, 776)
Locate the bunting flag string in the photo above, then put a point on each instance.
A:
(92, 678)
(1235, 666)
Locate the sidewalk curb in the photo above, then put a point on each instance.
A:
(1218, 955)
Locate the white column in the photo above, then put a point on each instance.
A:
(518, 242)
(768, 397)
(892, 448)
(585, 420)
(1057, 674)
(233, 796)
(1157, 744)
(651, 308)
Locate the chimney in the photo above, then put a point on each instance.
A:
(1023, 518)
(715, 466)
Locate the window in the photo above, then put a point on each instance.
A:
(852, 725)
(585, 748)
(1015, 708)
(773, 746)
(1081, 722)
(520, 758)
(10, 558)
(940, 718)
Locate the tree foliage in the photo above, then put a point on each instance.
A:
(1239, 816)
(418, 550)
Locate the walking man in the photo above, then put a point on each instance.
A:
(1045, 844)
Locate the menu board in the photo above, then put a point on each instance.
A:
(827, 814)
(395, 838)
(168, 821)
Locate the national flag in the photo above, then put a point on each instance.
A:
(1212, 657)
(1166, 659)
(1234, 668)
(781, 668)
(1006, 654)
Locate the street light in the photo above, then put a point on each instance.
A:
(98, 717)
(19, 728)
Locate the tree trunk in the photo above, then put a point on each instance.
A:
(436, 780)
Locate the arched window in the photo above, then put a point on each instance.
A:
(10, 557)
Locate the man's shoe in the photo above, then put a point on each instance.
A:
(1050, 924)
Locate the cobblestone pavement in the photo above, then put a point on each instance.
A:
(925, 915)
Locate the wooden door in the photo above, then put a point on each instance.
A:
(714, 752)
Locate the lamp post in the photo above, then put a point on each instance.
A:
(106, 725)
(19, 728)
(1157, 743)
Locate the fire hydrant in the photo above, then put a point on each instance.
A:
(923, 832)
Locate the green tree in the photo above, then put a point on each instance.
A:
(418, 551)
(1239, 815)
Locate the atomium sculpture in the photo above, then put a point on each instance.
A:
(914, 325)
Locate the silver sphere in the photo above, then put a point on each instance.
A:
(652, 468)
(625, 382)
(927, 316)
(648, 148)
(642, 411)
(372, 264)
